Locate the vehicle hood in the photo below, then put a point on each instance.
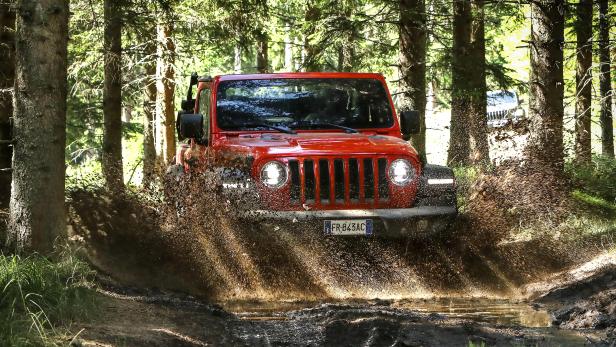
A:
(317, 144)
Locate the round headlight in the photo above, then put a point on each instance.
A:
(401, 172)
(274, 174)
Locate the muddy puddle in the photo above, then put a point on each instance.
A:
(493, 311)
(145, 320)
(430, 322)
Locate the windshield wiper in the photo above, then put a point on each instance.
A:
(318, 123)
(269, 126)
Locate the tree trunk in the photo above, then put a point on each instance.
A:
(545, 143)
(310, 53)
(112, 97)
(262, 58)
(583, 78)
(7, 77)
(166, 89)
(607, 127)
(149, 110)
(478, 131)
(461, 69)
(237, 62)
(413, 64)
(346, 51)
(37, 212)
(288, 48)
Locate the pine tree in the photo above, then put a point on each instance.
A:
(461, 70)
(545, 143)
(583, 78)
(607, 121)
(37, 212)
(112, 97)
(7, 76)
(412, 70)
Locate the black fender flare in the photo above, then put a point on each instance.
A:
(437, 187)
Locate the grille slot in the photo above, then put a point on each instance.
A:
(339, 180)
(353, 179)
(368, 179)
(324, 181)
(383, 184)
(295, 181)
(310, 180)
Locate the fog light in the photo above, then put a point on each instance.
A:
(274, 174)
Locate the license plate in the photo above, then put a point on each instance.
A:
(348, 227)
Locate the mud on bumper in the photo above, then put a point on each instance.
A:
(391, 223)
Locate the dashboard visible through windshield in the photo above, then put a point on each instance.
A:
(303, 104)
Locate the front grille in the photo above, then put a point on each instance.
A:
(337, 181)
(497, 115)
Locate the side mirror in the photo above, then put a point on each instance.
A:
(189, 126)
(410, 124)
(188, 105)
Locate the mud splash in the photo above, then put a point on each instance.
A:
(289, 285)
(195, 248)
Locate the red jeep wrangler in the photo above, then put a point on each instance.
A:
(326, 149)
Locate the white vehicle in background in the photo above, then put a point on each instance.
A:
(504, 107)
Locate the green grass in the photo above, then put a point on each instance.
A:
(596, 179)
(466, 176)
(40, 298)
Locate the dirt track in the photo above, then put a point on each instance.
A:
(164, 320)
(350, 290)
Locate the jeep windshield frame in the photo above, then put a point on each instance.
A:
(304, 104)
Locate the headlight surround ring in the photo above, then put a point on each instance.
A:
(274, 174)
(401, 172)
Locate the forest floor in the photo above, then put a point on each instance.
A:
(223, 283)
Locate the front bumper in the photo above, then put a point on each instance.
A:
(400, 222)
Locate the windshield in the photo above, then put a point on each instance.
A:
(501, 97)
(303, 104)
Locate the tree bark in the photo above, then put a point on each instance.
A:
(478, 131)
(37, 212)
(288, 48)
(545, 143)
(583, 79)
(237, 61)
(310, 53)
(413, 64)
(7, 77)
(166, 89)
(262, 52)
(346, 51)
(112, 97)
(606, 118)
(461, 69)
(149, 110)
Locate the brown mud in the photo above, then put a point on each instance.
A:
(226, 260)
(156, 319)
(289, 285)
